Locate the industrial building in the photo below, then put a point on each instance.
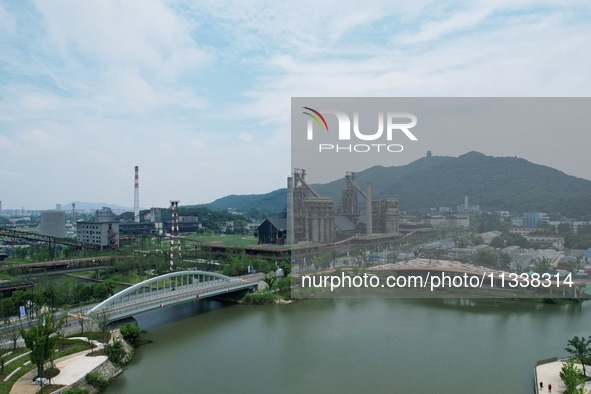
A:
(158, 227)
(105, 234)
(53, 223)
(313, 218)
(310, 217)
(272, 231)
(104, 215)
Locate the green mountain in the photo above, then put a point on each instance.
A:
(273, 202)
(494, 183)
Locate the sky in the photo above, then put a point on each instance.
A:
(197, 93)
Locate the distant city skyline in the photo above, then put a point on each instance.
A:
(198, 94)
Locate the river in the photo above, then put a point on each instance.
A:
(350, 346)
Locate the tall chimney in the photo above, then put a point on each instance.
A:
(136, 196)
(369, 210)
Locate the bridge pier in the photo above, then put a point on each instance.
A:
(232, 297)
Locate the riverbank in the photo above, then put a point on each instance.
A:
(75, 368)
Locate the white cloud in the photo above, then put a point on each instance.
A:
(7, 22)
(198, 93)
(144, 34)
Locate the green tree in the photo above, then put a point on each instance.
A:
(50, 293)
(104, 290)
(564, 228)
(542, 264)
(580, 348)
(575, 265)
(101, 319)
(486, 256)
(131, 333)
(497, 242)
(41, 339)
(360, 255)
(13, 333)
(284, 285)
(504, 259)
(7, 309)
(572, 378)
(116, 353)
(286, 267)
(515, 240)
(270, 280)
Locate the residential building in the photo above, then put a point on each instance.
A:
(531, 219)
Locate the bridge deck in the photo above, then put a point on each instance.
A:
(168, 290)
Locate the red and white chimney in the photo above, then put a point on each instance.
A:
(136, 196)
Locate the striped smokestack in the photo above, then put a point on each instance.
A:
(136, 196)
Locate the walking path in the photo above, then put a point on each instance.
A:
(72, 368)
(550, 374)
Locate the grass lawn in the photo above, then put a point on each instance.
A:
(231, 239)
(70, 346)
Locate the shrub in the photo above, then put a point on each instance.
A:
(115, 352)
(131, 333)
(97, 380)
(75, 391)
(260, 298)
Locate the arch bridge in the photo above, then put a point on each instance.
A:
(169, 289)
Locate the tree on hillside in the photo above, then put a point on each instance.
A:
(41, 339)
(580, 348)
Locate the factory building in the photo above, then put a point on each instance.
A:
(104, 215)
(272, 231)
(312, 218)
(105, 234)
(53, 223)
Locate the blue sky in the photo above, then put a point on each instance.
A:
(197, 93)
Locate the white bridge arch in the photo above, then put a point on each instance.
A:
(169, 289)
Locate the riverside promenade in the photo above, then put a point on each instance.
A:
(548, 372)
(72, 369)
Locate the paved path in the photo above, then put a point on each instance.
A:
(550, 374)
(72, 368)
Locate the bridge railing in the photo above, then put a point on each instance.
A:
(167, 286)
(167, 297)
